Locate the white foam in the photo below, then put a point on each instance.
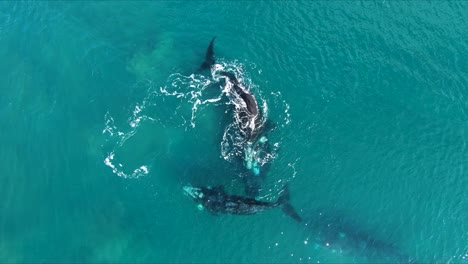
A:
(141, 171)
(189, 93)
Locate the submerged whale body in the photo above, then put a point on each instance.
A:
(335, 232)
(217, 201)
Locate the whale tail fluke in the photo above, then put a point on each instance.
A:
(209, 57)
(287, 208)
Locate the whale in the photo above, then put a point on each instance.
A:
(248, 115)
(337, 233)
(248, 112)
(249, 121)
(248, 98)
(217, 201)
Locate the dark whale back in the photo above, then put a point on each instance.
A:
(251, 103)
(249, 99)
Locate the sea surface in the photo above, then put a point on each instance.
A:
(103, 121)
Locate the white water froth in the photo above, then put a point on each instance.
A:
(192, 88)
(190, 94)
(187, 90)
(119, 138)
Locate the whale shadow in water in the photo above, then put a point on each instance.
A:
(335, 231)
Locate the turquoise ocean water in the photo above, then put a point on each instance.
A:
(102, 124)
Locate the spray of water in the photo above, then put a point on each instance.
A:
(177, 103)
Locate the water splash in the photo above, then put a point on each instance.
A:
(119, 138)
(177, 103)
